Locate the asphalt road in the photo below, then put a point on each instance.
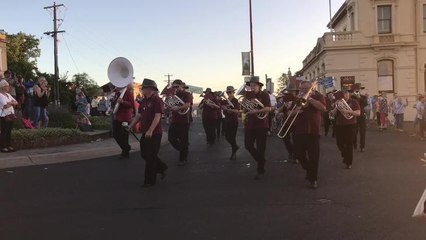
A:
(215, 198)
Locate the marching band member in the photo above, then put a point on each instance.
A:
(149, 115)
(345, 127)
(361, 125)
(231, 120)
(210, 106)
(256, 130)
(179, 127)
(123, 114)
(289, 97)
(307, 131)
(219, 116)
(327, 116)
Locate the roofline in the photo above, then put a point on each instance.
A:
(339, 15)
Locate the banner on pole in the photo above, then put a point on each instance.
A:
(245, 56)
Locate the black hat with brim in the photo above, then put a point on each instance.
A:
(254, 79)
(148, 83)
(208, 90)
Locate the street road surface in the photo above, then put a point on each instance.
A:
(215, 198)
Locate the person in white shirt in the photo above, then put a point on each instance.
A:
(6, 117)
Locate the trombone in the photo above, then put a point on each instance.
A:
(300, 102)
(229, 104)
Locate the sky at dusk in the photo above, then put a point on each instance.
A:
(198, 41)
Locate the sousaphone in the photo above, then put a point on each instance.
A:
(120, 74)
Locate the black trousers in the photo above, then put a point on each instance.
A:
(344, 139)
(218, 123)
(6, 131)
(223, 127)
(361, 128)
(307, 151)
(210, 130)
(231, 129)
(289, 142)
(149, 152)
(258, 136)
(121, 136)
(327, 122)
(178, 138)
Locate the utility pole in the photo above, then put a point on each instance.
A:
(168, 78)
(54, 34)
(251, 42)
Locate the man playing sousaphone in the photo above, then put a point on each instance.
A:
(256, 129)
(124, 110)
(231, 109)
(210, 106)
(179, 127)
(345, 112)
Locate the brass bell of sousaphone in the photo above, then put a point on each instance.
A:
(120, 74)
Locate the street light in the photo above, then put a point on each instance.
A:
(251, 41)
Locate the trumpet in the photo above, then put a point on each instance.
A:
(173, 101)
(291, 118)
(252, 104)
(210, 103)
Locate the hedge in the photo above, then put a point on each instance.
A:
(46, 137)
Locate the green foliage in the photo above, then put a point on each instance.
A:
(44, 133)
(101, 123)
(282, 82)
(82, 80)
(46, 137)
(22, 53)
(61, 117)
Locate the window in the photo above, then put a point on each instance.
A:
(384, 19)
(424, 17)
(385, 75)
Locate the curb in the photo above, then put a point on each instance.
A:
(64, 157)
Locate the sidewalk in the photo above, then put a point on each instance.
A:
(67, 153)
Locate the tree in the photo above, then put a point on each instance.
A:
(82, 80)
(22, 53)
(282, 82)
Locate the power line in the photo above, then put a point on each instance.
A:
(72, 58)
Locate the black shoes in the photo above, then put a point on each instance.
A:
(147, 185)
(348, 166)
(234, 152)
(314, 184)
(182, 163)
(259, 176)
(124, 154)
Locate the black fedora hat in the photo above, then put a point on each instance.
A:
(208, 90)
(230, 89)
(148, 83)
(254, 79)
(358, 86)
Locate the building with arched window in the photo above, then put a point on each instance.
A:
(378, 43)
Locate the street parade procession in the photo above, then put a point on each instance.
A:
(243, 119)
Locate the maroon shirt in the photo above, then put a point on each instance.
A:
(209, 113)
(178, 118)
(309, 121)
(231, 117)
(148, 108)
(252, 120)
(125, 110)
(341, 120)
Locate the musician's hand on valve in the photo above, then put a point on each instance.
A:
(120, 100)
(175, 108)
